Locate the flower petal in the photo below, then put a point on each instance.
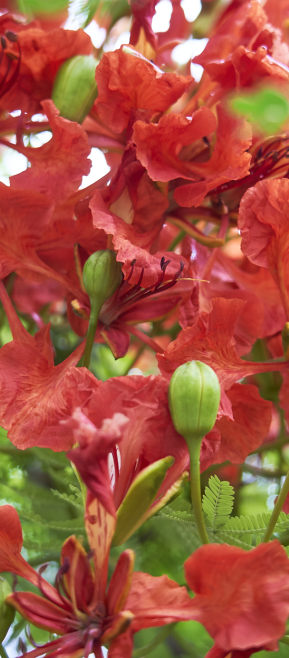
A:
(242, 598)
(58, 166)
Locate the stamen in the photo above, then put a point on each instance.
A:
(30, 638)
(47, 595)
(135, 288)
(264, 164)
(88, 648)
(7, 83)
(21, 646)
(59, 581)
(11, 36)
(42, 568)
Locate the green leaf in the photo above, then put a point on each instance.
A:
(40, 7)
(250, 529)
(109, 10)
(76, 501)
(267, 108)
(218, 501)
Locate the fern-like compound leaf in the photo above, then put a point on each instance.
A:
(218, 502)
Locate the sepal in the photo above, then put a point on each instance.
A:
(133, 510)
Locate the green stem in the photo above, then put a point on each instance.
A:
(263, 472)
(272, 445)
(3, 653)
(277, 509)
(161, 636)
(90, 335)
(181, 235)
(194, 450)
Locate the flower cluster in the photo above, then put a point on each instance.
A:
(175, 263)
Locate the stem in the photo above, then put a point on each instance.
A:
(143, 651)
(277, 509)
(272, 445)
(181, 235)
(90, 336)
(3, 653)
(194, 450)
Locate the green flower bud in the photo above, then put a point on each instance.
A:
(75, 90)
(194, 397)
(7, 613)
(101, 277)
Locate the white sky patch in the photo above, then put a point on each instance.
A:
(96, 33)
(99, 168)
(122, 40)
(75, 20)
(135, 371)
(11, 163)
(162, 17)
(185, 51)
(38, 139)
(192, 9)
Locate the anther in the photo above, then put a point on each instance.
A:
(3, 42)
(164, 264)
(259, 153)
(11, 36)
(21, 646)
(42, 568)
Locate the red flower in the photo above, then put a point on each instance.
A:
(147, 436)
(143, 12)
(263, 313)
(129, 82)
(87, 615)
(263, 222)
(42, 54)
(133, 304)
(132, 242)
(173, 148)
(24, 217)
(242, 598)
(260, 284)
(210, 340)
(35, 394)
(244, 50)
(58, 166)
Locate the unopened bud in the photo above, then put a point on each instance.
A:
(101, 276)
(75, 90)
(7, 613)
(194, 397)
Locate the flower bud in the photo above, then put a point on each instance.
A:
(75, 90)
(7, 613)
(101, 277)
(194, 397)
